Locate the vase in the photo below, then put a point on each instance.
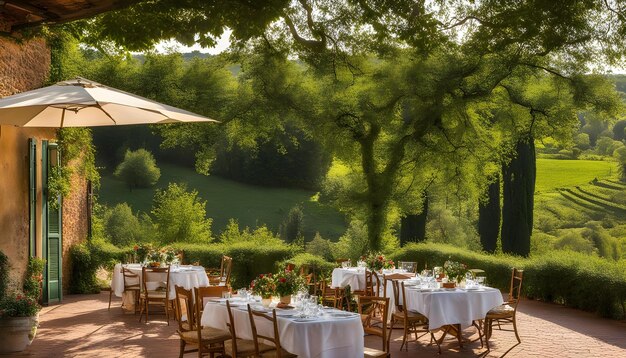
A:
(17, 333)
(266, 302)
(285, 299)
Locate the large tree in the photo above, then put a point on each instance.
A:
(394, 82)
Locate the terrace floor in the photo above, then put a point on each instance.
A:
(82, 326)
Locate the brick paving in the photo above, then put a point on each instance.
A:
(83, 327)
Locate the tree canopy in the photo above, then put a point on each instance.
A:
(400, 90)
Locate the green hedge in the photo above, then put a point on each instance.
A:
(576, 280)
(249, 258)
(318, 264)
(86, 259)
(4, 274)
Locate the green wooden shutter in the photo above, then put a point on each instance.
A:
(32, 196)
(52, 235)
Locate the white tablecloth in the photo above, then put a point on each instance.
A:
(459, 306)
(318, 338)
(184, 276)
(354, 277)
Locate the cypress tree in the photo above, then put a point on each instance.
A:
(518, 179)
(489, 217)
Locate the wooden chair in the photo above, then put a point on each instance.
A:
(277, 351)
(505, 313)
(237, 347)
(224, 272)
(372, 283)
(333, 297)
(210, 292)
(290, 266)
(185, 315)
(131, 284)
(158, 296)
(209, 340)
(412, 322)
(368, 306)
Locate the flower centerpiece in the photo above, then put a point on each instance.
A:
(142, 251)
(264, 286)
(377, 262)
(454, 270)
(288, 283)
(170, 256)
(155, 257)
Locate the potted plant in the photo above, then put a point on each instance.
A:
(288, 283)
(19, 312)
(264, 286)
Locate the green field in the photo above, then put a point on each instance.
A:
(556, 173)
(250, 205)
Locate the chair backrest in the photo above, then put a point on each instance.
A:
(210, 292)
(231, 328)
(255, 334)
(149, 273)
(199, 305)
(129, 277)
(409, 266)
(372, 283)
(185, 310)
(516, 286)
(327, 291)
(369, 308)
(225, 270)
(290, 266)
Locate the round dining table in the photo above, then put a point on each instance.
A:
(335, 334)
(456, 306)
(186, 276)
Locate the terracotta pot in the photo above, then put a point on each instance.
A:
(266, 302)
(285, 299)
(17, 333)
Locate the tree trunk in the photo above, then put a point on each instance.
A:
(518, 196)
(413, 226)
(489, 217)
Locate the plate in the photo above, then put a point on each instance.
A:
(450, 289)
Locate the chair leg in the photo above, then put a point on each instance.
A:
(487, 331)
(110, 296)
(182, 349)
(515, 330)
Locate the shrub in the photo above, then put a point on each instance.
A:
(291, 229)
(86, 259)
(607, 246)
(573, 240)
(33, 278)
(122, 227)
(261, 235)
(249, 258)
(315, 263)
(180, 215)
(138, 169)
(445, 227)
(320, 247)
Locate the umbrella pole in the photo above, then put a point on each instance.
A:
(62, 117)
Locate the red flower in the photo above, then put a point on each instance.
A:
(283, 280)
(135, 247)
(261, 275)
(269, 275)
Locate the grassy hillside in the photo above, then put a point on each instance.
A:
(250, 205)
(555, 173)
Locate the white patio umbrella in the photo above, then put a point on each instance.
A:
(83, 103)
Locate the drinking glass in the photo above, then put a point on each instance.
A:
(480, 280)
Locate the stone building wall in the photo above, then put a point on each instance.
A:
(24, 66)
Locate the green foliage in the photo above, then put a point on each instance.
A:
(315, 263)
(260, 235)
(138, 170)
(123, 228)
(608, 247)
(18, 305)
(354, 243)
(573, 240)
(59, 184)
(180, 216)
(77, 144)
(606, 146)
(4, 274)
(33, 278)
(320, 247)
(292, 227)
(446, 227)
(249, 258)
(620, 155)
(582, 141)
(87, 258)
